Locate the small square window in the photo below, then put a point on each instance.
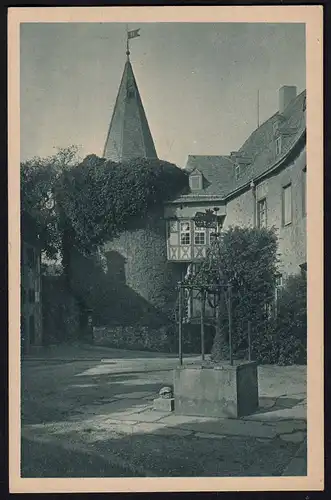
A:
(195, 182)
(278, 146)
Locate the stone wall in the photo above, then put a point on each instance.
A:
(160, 339)
(240, 211)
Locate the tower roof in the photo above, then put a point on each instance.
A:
(129, 135)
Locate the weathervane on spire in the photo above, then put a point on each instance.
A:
(130, 34)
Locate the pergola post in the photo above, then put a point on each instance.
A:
(180, 325)
(202, 323)
(249, 341)
(217, 316)
(230, 322)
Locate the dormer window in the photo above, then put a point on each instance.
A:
(195, 181)
(275, 127)
(278, 145)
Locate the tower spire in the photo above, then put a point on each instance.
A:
(129, 135)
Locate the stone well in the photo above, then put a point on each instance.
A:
(221, 390)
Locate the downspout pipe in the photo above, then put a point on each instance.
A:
(253, 189)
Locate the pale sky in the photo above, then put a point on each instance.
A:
(198, 82)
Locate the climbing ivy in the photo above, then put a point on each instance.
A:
(94, 199)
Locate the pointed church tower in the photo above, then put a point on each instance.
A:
(129, 135)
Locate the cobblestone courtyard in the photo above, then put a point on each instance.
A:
(97, 406)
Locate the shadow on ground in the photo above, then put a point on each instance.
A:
(55, 394)
(51, 460)
(74, 439)
(103, 453)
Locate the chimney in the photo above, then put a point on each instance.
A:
(287, 94)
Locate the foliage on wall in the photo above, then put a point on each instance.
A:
(84, 203)
(101, 198)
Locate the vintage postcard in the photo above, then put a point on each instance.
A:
(165, 249)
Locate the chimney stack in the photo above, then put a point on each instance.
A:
(287, 94)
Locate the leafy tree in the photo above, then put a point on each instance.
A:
(40, 178)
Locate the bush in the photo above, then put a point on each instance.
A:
(246, 258)
(283, 341)
(292, 308)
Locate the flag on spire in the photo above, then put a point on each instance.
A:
(133, 33)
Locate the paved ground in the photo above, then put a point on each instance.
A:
(88, 412)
